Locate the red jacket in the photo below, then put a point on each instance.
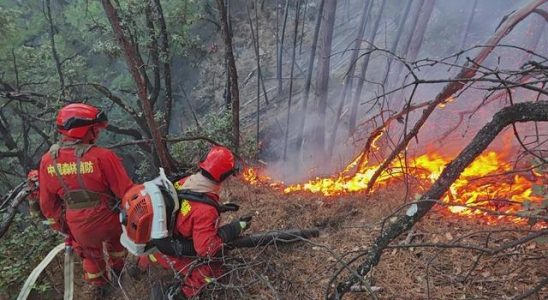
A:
(102, 172)
(199, 222)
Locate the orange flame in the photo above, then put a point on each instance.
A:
(484, 188)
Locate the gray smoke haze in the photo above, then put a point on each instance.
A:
(442, 39)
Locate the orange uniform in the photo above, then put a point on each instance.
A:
(79, 185)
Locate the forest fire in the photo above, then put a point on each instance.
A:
(487, 188)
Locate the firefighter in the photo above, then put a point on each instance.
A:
(34, 196)
(80, 183)
(197, 220)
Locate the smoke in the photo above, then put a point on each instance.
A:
(447, 130)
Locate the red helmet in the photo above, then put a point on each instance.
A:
(218, 164)
(33, 175)
(74, 120)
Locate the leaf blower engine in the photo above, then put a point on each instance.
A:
(148, 212)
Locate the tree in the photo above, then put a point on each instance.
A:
(308, 81)
(233, 73)
(420, 30)
(135, 63)
(322, 79)
(349, 76)
(468, 71)
(295, 31)
(363, 72)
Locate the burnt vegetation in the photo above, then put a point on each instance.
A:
(331, 104)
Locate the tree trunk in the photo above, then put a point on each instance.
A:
(165, 58)
(395, 79)
(322, 80)
(255, 40)
(522, 112)
(420, 29)
(468, 71)
(156, 85)
(281, 50)
(396, 41)
(234, 91)
(308, 81)
(56, 58)
(349, 74)
(414, 44)
(305, 4)
(534, 32)
(135, 63)
(295, 32)
(467, 26)
(361, 80)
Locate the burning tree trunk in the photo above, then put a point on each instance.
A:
(468, 71)
(135, 64)
(234, 91)
(323, 73)
(361, 81)
(522, 112)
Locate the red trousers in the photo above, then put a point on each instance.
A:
(196, 273)
(91, 245)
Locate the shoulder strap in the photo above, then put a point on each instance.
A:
(79, 150)
(198, 197)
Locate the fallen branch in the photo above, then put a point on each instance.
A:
(522, 112)
(11, 210)
(536, 289)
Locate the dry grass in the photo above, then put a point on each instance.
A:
(303, 271)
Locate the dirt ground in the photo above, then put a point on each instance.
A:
(306, 269)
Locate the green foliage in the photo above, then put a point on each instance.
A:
(21, 249)
(88, 53)
(217, 127)
(214, 126)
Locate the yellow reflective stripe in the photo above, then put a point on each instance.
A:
(185, 208)
(117, 253)
(209, 280)
(51, 221)
(178, 186)
(152, 258)
(94, 275)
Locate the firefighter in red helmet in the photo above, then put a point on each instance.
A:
(198, 221)
(80, 183)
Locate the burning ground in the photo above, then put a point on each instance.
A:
(489, 189)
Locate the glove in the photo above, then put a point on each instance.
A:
(232, 230)
(245, 222)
